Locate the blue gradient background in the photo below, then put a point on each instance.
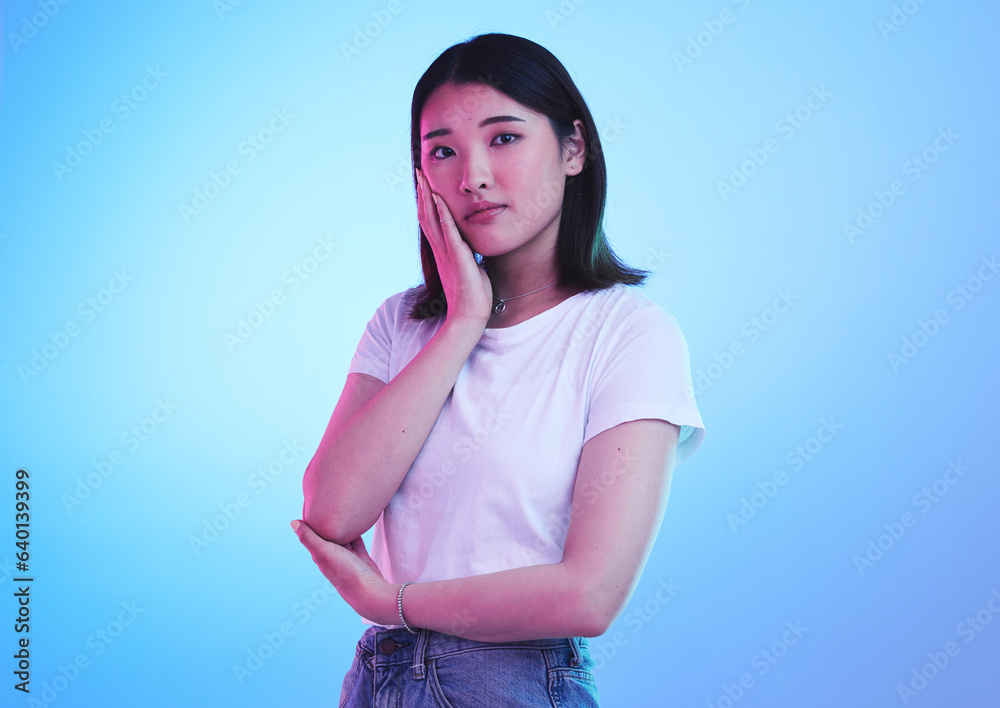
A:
(340, 170)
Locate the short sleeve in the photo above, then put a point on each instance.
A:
(373, 352)
(646, 373)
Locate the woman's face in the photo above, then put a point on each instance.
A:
(479, 145)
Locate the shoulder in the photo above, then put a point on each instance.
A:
(627, 307)
(396, 307)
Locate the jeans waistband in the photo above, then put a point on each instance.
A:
(415, 649)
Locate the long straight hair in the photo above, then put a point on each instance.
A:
(533, 77)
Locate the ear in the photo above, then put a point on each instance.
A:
(575, 149)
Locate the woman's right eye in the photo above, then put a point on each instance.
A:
(434, 155)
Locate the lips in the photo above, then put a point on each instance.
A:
(480, 207)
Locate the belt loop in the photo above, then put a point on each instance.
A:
(418, 654)
(577, 658)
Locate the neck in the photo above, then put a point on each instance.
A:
(513, 283)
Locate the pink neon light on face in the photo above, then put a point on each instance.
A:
(498, 166)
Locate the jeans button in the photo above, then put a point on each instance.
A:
(387, 646)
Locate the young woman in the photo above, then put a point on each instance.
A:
(509, 427)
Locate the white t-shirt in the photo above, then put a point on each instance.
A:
(492, 486)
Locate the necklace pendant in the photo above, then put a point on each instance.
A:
(500, 307)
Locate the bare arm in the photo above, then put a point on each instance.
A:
(611, 533)
(372, 440)
(375, 434)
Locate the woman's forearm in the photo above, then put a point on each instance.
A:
(532, 602)
(360, 465)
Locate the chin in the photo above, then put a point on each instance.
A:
(490, 249)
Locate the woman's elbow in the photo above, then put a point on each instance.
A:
(595, 624)
(594, 614)
(324, 523)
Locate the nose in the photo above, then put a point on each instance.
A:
(477, 174)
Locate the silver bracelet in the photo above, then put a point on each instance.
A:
(399, 602)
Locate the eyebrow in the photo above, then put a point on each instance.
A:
(482, 124)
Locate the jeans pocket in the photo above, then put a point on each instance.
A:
(572, 687)
(497, 676)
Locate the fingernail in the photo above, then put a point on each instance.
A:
(295, 525)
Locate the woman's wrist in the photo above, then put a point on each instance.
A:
(384, 604)
(399, 606)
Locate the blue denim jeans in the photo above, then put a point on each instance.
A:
(393, 668)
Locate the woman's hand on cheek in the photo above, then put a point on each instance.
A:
(353, 573)
(467, 288)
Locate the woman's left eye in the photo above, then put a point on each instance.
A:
(506, 135)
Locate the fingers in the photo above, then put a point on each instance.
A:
(445, 220)
(314, 542)
(426, 213)
(306, 535)
(444, 213)
(433, 213)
